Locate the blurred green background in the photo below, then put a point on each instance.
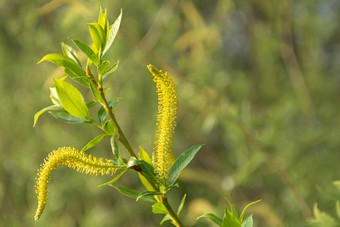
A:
(258, 82)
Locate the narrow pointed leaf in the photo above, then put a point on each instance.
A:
(91, 103)
(159, 208)
(83, 80)
(54, 97)
(93, 142)
(64, 61)
(145, 182)
(148, 171)
(114, 179)
(109, 128)
(87, 51)
(102, 21)
(230, 220)
(144, 156)
(40, 112)
(132, 193)
(211, 217)
(113, 32)
(147, 193)
(69, 52)
(103, 67)
(95, 92)
(98, 35)
(181, 162)
(115, 150)
(165, 219)
(233, 209)
(181, 205)
(246, 207)
(67, 118)
(72, 100)
(110, 70)
(248, 222)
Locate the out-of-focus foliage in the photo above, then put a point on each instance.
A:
(257, 81)
(323, 219)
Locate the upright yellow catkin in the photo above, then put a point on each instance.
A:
(72, 158)
(167, 107)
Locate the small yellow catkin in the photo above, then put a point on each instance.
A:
(72, 158)
(166, 123)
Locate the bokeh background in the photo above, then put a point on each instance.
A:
(258, 82)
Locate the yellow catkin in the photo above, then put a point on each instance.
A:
(72, 158)
(166, 123)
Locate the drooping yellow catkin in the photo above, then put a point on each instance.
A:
(166, 123)
(72, 158)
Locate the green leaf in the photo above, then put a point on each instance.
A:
(113, 180)
(64, 61)
(165, 219)
(69, 52)
(181, 205)
(54, 97)
(146, 183)
(102, 113)
(181, 162)
(233, 209)
(87, 51)
(230, 220)
(109, 128)
(211, 217)
(93, 142)
(91, 104)
(40, 112)
(148, 171)
(72, 100)
(103, 67)
(147, 193)
(84, 81)
(132, 193)
(103, 22)
(113, 32)
(68, 118)
(115, 150)
(95, 92)
(98, 36)
(144, 156)
(246, 207)
(248, 222)
(110, 70)
(159, 208)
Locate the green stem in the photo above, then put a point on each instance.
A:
(175, 219)
(122, 137)
(171, 213)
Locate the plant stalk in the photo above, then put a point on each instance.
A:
(175, 219)
(122, 137)
(171, 213)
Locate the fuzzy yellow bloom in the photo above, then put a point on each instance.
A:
(167, 107)
(72, 158)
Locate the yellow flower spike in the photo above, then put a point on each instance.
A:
(167, 107)
(72, 158)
